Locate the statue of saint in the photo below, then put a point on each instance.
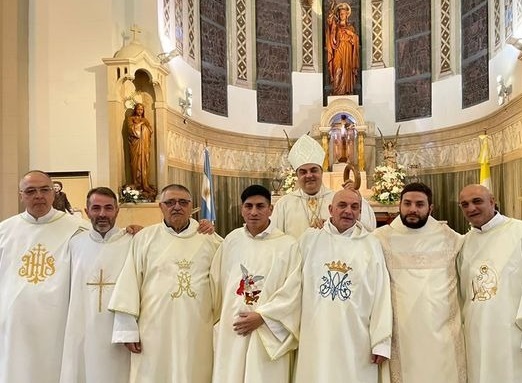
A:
(344, 138)
(351, 144)
(140, 139)
(338, 138)
(342, 43)
(389, 154)
(389, 150)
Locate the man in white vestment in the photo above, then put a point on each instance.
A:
(256, 288)
(490, 270)
(97, 258)
(162, 298)
(420, 253)
(308, 205)
(346, 321)
(34, 284)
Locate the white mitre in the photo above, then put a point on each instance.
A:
(306, 150)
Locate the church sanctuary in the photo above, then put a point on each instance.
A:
(139, 94)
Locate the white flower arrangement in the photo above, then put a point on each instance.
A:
(388, 183)
(289, 180)
(128, 194)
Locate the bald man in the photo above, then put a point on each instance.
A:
(346, 319)
(34, 284)
(308, 205)
(490, 268)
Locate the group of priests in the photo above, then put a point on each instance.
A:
(409, 302)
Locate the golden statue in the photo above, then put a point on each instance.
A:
(342, 44)
(140, 139)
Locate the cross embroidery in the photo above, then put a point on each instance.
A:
(100, 284)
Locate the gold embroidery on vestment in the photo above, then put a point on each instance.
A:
(100, 285)
(338, 266)
(312, 206)
(37, 265)
(484, 284)
(184, 280)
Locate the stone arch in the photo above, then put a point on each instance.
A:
(342, 105)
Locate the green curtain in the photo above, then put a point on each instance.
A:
(506, 180)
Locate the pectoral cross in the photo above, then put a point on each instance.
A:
(100, 284)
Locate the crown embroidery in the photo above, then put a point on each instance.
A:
(338, 266)
(184, 280)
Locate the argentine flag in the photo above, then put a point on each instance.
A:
(208, 210)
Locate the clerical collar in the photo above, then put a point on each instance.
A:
(497, 219)
(43, 219)
(319, 194)
(347, 233)
(263, 234)
(174, 230)
(98, 237)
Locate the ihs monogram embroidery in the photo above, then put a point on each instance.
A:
(484, 284)
(184, 280)
(37, 265)
(336, 282)
(248, 287)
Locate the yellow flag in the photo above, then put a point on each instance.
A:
(485, 175)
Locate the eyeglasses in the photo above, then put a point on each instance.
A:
(30, 192)
(173, 202)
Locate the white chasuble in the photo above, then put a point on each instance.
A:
(346, 313)
(260, 274)
(88, 355)
(427, 342)
(294, 212)
(34, 294)
(165, 285)
(490, 268)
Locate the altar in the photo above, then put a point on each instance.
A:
(350, 145)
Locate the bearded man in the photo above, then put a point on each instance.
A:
(97, 257)
(420, 253)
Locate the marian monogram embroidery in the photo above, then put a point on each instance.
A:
(484, 284)
(37, 265)
(184, 280)
(248, 286)
(336, 282)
